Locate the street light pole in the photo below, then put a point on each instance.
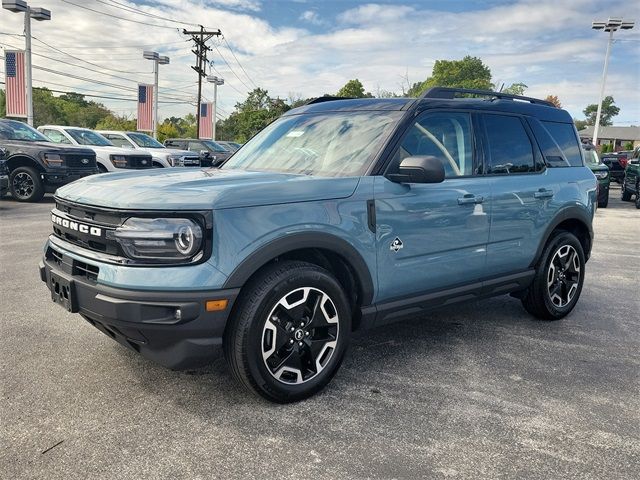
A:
(157, 60)
(40, 14)
(216, 81)
(611, 25)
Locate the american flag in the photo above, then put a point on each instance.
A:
(15, 84)
(145, 108)
(206, 122)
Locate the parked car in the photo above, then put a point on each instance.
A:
(601, 171)
(162, 156)
(616, 162)
(109, 157)
(229, 146)
(4, 173)
(211, 154)
(340, 215)
(35, 165)
(631, 180)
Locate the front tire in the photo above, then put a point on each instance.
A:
(558, 281)
(25, 185)
(289, 332)
(625, 196)
(604, 203)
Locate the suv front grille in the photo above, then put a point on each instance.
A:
(71, 266)
(139, 161)
(80, 161)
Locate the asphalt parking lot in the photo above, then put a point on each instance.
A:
(476, 391)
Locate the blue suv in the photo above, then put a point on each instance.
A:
(343, 214)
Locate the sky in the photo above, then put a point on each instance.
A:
(306, 48)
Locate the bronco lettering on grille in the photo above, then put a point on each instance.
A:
(76, 226)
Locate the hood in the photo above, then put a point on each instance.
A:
(202, 189)
(116, 150)
(17, 146)
(597, 168)
(167, 152)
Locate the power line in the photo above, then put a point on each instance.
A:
(86, 61)
(238, 61)
(119, 18)
(131, 9)
(231, 69)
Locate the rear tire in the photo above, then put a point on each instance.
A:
(102, 168)
(559, 277)
(625, 196)
(289, 332)
(604, 202)
(638, 198)
(25, 185)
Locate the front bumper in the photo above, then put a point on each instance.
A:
(147, 322)
(4, 184)
(54, 179)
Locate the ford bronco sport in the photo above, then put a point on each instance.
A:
(340, 215)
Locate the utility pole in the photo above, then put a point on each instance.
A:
(200, 38)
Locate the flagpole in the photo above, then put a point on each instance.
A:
(27, 57)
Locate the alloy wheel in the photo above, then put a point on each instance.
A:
(300, 335)
(563, 276)
(23, 185)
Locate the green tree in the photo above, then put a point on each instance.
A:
(580, 124)
(469, 72)
(251, 116)
(167, 130)
(115, 122)
(353, 89)
(609, 110)
(515, 89)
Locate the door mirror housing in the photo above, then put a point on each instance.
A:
(204, 153)
(419, 169)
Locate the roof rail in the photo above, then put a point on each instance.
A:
(327, 98)
(450, 93)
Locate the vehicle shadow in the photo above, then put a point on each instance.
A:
(393, 350)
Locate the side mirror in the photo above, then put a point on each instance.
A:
(204, 153)
(419, 169)
(3, 153)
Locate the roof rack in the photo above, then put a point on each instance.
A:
(327, 98)
(450, 93)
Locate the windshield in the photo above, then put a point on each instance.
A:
(144, 140)
(213, 146)
(88, 137)
(332, 144)
(12, 130)
(591, 156)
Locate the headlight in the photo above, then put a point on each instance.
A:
(170, 240)
(173, 160)
(601, 174)
(52, 159)
(119, 161)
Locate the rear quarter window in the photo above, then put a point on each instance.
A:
(565, 137)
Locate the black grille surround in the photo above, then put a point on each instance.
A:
(138, 162)
(91, 228)
(80, 161)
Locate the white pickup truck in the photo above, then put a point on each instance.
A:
(162, 156)
(108, 157)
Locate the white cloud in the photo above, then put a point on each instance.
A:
(546, 44)
(311, 16)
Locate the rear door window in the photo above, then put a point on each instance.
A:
(56, 136)
(509, 147)
(565, 136)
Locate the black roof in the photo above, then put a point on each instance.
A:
(492, 101)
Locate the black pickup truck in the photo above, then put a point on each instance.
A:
(35, 165)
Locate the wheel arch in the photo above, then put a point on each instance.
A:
(322, 249)
(21, 160)
(572, 219)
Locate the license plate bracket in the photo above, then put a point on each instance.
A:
(63, 292)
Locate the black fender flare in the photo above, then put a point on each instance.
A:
(568, 213)
(298, 241)
(23, 157)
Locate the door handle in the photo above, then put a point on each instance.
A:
(543, 193)
(470, 199)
